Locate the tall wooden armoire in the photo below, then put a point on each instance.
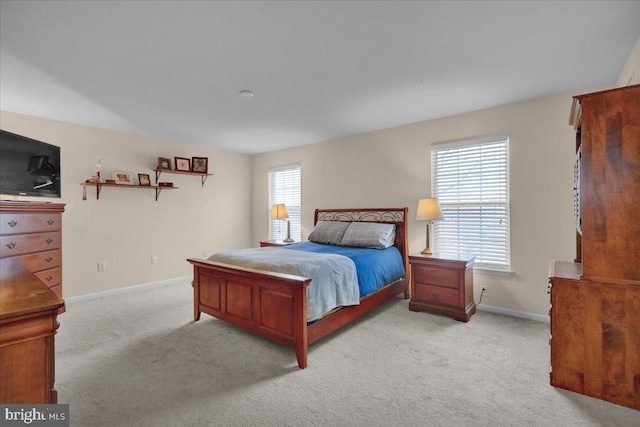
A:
(595, 301)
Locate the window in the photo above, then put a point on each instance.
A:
(284, 187)
(471, 181)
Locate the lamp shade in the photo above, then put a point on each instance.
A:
(429, 210)
(279, 211)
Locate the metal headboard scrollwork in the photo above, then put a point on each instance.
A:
(361, 216)
(397, 216)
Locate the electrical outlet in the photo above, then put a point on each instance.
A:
(154, 260)
(102, 266)
(205, 254)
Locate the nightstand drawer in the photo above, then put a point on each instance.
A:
(437, 294)
(267, 243)
(435, 276)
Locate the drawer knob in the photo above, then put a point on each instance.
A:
(49, 259)
(12, 223)
(49, 240)
(11, 245)
(50, 221)
(435, 294)
(49, 278)
(436, 276)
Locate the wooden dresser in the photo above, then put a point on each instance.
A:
(28, 322)
(31, 234)
(443, 285)
(595, 301)
(30, 299)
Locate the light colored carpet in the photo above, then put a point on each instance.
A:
(137, 359)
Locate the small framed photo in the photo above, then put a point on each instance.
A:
(144, 179)
(199, 164)
(164, 163)
(183, 164)
(122, 177)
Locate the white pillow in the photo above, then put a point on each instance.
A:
(369, 235)
(328, 232)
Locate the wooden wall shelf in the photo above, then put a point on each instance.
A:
(99, 186)
(203, 175)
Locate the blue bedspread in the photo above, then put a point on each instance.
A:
(375, 267)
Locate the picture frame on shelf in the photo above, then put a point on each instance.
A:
(144, 179)
(164, 163)
(183, 164)
(200, 164)
(123, 178)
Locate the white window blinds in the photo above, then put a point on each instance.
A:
(284, 187)
(471, 182)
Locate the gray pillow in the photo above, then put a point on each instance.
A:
(369, 235)
(328, 232)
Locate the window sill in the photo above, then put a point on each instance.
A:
(490, 272)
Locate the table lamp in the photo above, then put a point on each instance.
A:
(279, 211)
(428, 210)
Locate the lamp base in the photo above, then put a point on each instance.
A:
(288, 239)
(427, 250)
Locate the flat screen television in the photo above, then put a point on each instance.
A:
(28, 167)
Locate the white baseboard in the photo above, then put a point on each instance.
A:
(128, 289)
(514, 313)
(482, 307)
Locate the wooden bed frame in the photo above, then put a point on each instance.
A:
(274, 305)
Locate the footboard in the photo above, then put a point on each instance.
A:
(273, 305)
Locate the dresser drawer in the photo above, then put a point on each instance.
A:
(41, 260)
(58, 290)
(437, 294)
(51, 277)
(27, 243)
(436, 276)
(15, 223)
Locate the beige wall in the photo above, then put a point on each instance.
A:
(630, 74)
(126, 227)
(391, 167)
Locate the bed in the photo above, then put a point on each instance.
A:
(274, 304)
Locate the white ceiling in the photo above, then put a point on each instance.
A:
(319, 70)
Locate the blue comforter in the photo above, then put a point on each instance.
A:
(375, 267)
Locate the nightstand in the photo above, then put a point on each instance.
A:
(443, 285)
(264, 243)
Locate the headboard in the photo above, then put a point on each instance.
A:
(397, 216)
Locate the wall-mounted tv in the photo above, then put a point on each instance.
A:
(28, 167)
